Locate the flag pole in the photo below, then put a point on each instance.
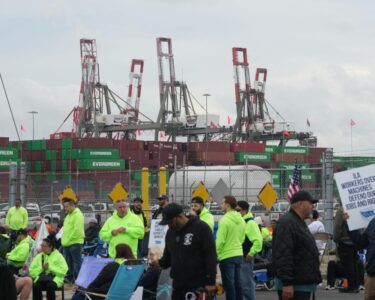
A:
(351, 141)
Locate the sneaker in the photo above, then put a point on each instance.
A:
(361, 288)
(330, 287)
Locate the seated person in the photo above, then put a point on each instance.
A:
(336, 270)
(48, 269)
(103, 281)
(4, 241)
(92, 231)
(150, 278)
(18, 256)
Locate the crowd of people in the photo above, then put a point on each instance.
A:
(195, 249)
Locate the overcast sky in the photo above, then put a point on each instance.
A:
(320, 56)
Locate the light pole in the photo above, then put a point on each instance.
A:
(206, 95)
(33, 112)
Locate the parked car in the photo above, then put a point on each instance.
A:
(34, 218)
(54, 211)
(103, 209)
(215, 210)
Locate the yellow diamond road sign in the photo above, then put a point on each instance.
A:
(118, 193)
(68, 193)
(267, 195)
(202, 192)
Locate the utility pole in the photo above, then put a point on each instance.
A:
(33, 112)
(206, 95)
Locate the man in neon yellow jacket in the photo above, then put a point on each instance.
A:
(16, 219)
(251, 246)
(72, 238)
(21, 251)
(229, 239)
(123, 227)
(197, 208)
(49, 261)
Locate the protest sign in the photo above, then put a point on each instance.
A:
(357, 193)
(157, 234)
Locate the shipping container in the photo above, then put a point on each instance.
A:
(101, 164)
(97, 153)
(4, 142)
(290, 166)
(288, 158)
(247, 147)
(253, 157)
(8, 153)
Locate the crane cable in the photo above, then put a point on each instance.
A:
(10, 108)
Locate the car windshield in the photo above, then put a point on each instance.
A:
(53, 207)
(33, 213)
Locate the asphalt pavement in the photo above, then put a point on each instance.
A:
(321, 294)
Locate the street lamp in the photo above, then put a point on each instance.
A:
(206, 95)
(33, 112)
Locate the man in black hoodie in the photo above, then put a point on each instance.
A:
(189, 251)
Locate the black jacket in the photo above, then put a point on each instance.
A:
(103, 281)
(91, 233)
(368, 241)
(294, 252)
(149, 281)
(191, 254)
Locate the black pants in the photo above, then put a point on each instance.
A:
(336, 270)
(348, 257)
(50, 287)
(297, 295)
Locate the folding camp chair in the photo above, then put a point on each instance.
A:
(125, 281)
(90, 269)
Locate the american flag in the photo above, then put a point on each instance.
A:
(294, 184)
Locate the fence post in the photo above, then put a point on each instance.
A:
(12, 183)
(145, 190)
(175, 177)
(328, 166)
(23, 183)
(162, 181)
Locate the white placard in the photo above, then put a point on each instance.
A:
(157, 234)
(357, 193)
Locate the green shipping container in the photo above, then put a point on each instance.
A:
(98, 153)
(66, 143)
(290, 166)
(252, 156)
(271, 149)
(51, 154)
(69, 154)
(294, 150)
(4, 164)
(36, 145)
(305, 176)
(8, 153)
(101, 164)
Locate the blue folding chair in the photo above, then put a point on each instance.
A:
(125, 282)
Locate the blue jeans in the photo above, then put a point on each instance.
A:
(73, 258)
(247, 278)
(230, 269)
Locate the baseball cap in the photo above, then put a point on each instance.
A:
(302, 196)
(162, 197)
(138, 199)
(197, 200)
(169, 212)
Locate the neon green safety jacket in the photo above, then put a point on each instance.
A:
(74, 231)
(230, 235)
(56, 265)
(253, 234)
(17, 218)
(20, 252)
(134, 230)
(207, 217)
